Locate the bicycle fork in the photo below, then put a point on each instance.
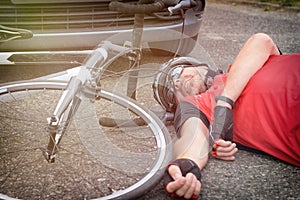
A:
(69, 102)
(84, 81)
(59, 122)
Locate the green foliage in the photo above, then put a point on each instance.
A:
(283, 2)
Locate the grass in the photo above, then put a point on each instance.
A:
(283, 3)
(279, 3)
(266, 4)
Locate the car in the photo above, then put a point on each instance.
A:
(82, 24)
(55, 31)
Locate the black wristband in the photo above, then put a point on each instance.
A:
(225, 99)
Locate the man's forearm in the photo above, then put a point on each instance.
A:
(193, 143)
(250, 59)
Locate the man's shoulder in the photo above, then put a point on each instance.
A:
(285, 59)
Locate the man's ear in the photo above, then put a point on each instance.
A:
(182, 88)
(178, 84)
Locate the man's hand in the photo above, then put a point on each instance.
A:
(178, 185)
(224, 150)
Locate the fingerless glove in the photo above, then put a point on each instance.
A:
(223, 123)
(186, 166)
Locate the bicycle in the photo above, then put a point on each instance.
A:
(70, 155)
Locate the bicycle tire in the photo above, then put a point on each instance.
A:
(21, 165)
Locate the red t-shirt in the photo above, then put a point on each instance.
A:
(267, 113)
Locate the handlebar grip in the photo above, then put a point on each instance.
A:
(136, 9)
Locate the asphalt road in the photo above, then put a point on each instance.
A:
(224, 30)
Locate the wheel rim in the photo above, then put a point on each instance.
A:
(155, 171)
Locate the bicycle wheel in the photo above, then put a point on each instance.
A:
(120, 162)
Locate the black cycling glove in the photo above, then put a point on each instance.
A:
(222, 126)
(186, 166)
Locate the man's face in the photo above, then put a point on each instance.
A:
(192, 81)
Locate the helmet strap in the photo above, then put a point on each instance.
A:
(210, 75)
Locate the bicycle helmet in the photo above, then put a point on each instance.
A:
(163, 87)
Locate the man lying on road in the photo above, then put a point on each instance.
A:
(260, 96)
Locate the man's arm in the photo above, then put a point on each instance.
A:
(193, 142)
(193, 145)
(253, 55)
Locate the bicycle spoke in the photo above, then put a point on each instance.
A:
(91, 161)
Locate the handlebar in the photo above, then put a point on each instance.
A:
(172, 5)
(8, 33)
(136, 9)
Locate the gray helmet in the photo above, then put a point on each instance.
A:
(163, 86)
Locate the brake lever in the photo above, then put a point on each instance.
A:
(182, 5)
(8, 33)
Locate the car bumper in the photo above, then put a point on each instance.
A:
(88, 40)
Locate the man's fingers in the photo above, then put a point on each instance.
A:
(223, 143)
(226, 158)
(178, 182)
(188, 188)
(174, 172)
(227, 153)
(226, 149)
(175, 185)
(198, 188)
(194, 189)
(222, 146)
(229, 156)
